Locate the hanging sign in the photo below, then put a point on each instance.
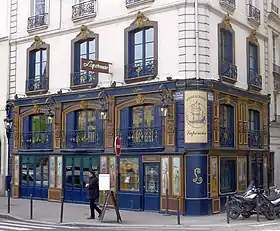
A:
(95, 66)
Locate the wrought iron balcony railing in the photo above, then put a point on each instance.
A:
(255, 79)
(83, 78)
(255, 139)
(227, 137)
(141, 69)
(228, 3)
(37, 21)
(254, 14)
(276, 69)
(136, 2)
(84, 139)
(36, 140)
(274, 8)
(146, 137)
(228, 70)
(37, 84)
(84, 10)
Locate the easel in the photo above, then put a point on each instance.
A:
(110, 194)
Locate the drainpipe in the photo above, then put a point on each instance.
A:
(196, 40)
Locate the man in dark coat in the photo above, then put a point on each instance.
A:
(93, 194)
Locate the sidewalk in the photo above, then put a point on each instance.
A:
(76, 214)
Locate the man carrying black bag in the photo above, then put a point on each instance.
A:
(93, 194)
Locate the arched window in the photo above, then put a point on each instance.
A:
(227, 125)
(84, 48)
(141, 49)
(37, 67)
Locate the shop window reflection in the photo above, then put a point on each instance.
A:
(129, 174)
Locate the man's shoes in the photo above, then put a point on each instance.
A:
(91, 218)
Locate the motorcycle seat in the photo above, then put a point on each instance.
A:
(273, 198)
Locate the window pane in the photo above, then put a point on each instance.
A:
(137, 116)
(148, 116)
(149, 36)
(52, 172)
(176, 176)
(91, 56)
(44, 55)
(91, 47)
(77, 172)
(138, 37)
(69, 171)
(83, 48)
(82, 120)
(164, 174)
(86, 168)
(228, 175)
(112, 171)
(149, 50)
(138, 52)
(38, 69)
(91, 120)
(151, 178)
(44, 69)
(129, 174)
(38, 57)
(103, 163)
(59, 172)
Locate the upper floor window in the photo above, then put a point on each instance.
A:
(254, 120)
(255, 135)
(253, 57)
(37, 67)
(227, 125)
(227, 67)
(39, 17)
(141, 50)
(84, 47)
(83, 9)
(84, 129)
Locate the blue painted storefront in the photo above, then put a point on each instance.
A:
(139, 180)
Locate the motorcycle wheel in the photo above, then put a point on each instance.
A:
(269, 213)
(233, 214)
(246, 214)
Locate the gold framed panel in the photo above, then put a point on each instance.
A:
(214, 174)
(216, 205)
(241, 174)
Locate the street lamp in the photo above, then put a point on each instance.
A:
(50, 103)
(8, 121)
(104, 100)
(166, 99)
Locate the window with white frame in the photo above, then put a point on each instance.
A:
(38, 7)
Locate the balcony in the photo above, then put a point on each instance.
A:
(84, 139)
(228, 72)
(140, 70)
(255, 139)
(254, 80)
(37, 86)
(36, 140)
(141, 138)
(227, 137)
(254, 14)
(84, 79)
(228, 4)
(84, 10)
(37, 22)
(131, 3)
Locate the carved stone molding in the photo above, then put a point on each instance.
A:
(140, 20)
(109, 124)
(36, 109)
(57, 126)
(170, 122)
(216, 119)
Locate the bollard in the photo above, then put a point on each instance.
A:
(178, 211)
(258, 208)
(227, 208)
(31, 206)
(166, 203)
(9, 201)
(61, 209)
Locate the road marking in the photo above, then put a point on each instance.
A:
(266, 224)
(38, 224)
(14, 228)
(26, 226)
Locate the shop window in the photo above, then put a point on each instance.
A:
(176, 176)
(108, 166)
(164, 175)
(227, 175)
(227, 125)
(141, 51)
(129, 174)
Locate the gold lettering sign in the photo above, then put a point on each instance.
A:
(195, 108)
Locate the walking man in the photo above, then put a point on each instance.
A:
(93, 194)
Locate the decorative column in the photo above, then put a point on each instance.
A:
(245, 122)
(57, 127)
(216, 119)
(240, 116)
(109, 125)
(170, 121)
(16, 130)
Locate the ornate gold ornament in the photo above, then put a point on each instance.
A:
(140, 19)
(36, 108)
(227, 23)
(227, 99)
(37, 42)
(84, 33)
(197, 179)
(253, 37)
(83, 104)
(140, 97)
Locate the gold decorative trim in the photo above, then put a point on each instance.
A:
(227, 23)
(253, 37)
(37, 42)
(140, 97)
(85, 32)
(36, 109)
(140, 19)
(83, 104)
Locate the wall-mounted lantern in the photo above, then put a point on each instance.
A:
(50, 103)
(104, 101)
(8, 121)
(166, 98)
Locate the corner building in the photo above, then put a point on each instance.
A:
(192, 112)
